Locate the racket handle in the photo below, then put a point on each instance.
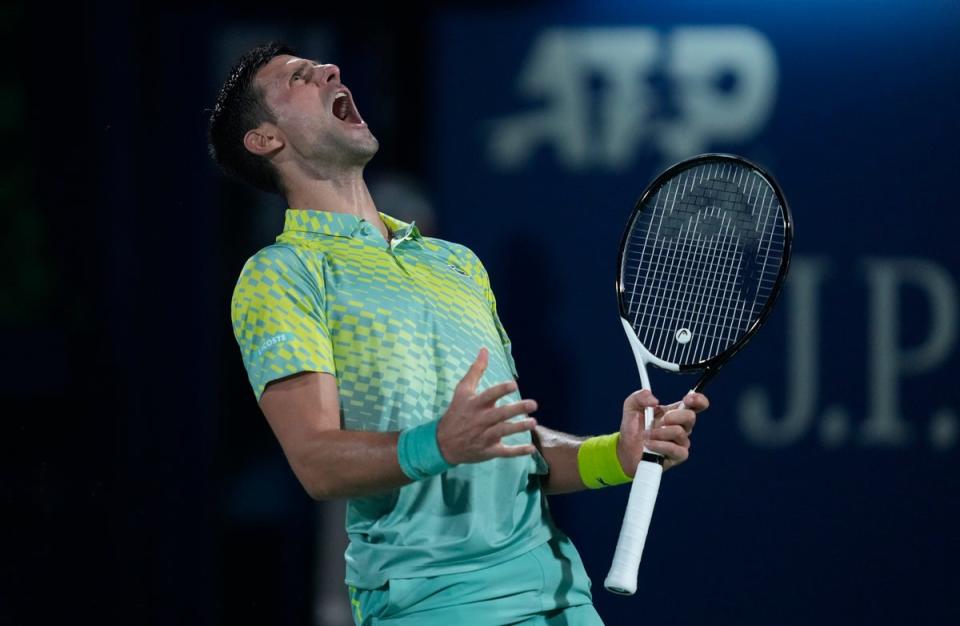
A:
(622, 578)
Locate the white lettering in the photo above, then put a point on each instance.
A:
(888, 361)
(272, 341)
(892, 283)
(756, 416)
(721, 80)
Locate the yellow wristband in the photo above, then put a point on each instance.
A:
(598, 462)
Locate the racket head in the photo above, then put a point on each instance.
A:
(703, 259)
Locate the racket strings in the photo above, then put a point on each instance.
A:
(701, 261)
(701, 282)
(704, 288)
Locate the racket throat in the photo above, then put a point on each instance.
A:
(644, 356)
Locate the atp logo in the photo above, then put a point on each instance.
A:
(600, 95)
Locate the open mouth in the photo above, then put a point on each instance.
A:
(344, 109)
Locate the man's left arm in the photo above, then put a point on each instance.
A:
(670, 436)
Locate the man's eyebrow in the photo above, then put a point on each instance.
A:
(298, 66)
(301, 62)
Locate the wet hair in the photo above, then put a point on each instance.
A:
(241, 107)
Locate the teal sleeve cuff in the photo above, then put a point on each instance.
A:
(419, 452)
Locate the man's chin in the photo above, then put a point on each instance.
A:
(366, 149)
(373, 145)
(349, 151)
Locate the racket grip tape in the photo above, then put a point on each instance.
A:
(622, 578)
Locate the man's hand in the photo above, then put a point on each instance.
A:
(471, 429)
(670, 435)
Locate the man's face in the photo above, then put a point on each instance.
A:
(315, 113)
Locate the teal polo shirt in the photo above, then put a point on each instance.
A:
(398, 324)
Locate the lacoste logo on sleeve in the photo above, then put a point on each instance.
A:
(272, 341)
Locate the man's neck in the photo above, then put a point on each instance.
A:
(348, 194)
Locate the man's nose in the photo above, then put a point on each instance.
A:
(329, 73)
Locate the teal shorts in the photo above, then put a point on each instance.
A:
(545, 586)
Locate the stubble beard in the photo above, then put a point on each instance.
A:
(367, 148)
(355, 152)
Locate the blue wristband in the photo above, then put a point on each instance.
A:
(419, 452)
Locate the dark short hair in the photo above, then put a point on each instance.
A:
(241, 107)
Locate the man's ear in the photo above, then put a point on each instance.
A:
(263, 140)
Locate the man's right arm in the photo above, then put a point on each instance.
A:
(304, 412)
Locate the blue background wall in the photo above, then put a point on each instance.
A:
(823, 481)
(143, 484)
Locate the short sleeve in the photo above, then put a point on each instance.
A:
(279, 318)
(474, 267)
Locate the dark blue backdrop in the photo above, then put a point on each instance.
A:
(822, 486)
(144, 484)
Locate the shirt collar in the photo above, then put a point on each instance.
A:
(344, 225)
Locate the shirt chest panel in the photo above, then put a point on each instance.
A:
(411, 291)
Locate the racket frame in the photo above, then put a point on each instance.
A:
(710, 366)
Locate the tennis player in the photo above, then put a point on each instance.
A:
(379, 361)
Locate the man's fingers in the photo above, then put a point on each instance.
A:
(494, 393)
(685, 418)
(660, 410)
(696, 401)
(505, 412)
(473, 375)
(508, 451)
(501, 430)
(672, 451)
(639, 400)
(674, 433)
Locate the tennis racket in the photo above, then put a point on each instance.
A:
(702, 261)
